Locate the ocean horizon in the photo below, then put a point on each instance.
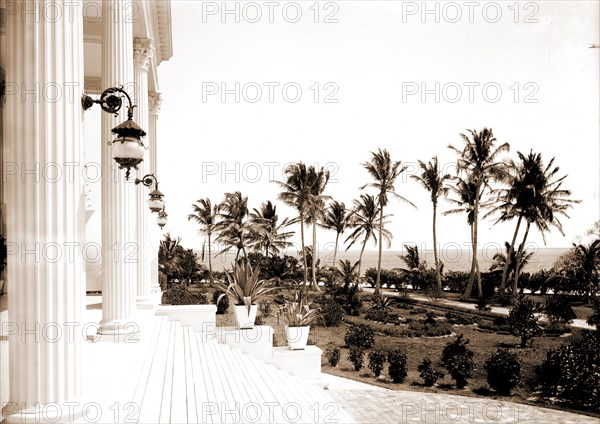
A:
(453, 259)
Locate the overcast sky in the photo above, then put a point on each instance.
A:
(524, 69)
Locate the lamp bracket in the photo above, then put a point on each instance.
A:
(111, 101)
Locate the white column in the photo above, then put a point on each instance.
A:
(45, 211)
(120, 252)
(154, 102)
(142, 54)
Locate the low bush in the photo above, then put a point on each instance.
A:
(422, 329)
(348, 299)
(356, 356)
(382, 315)
(388, 277)
(460, 319)
(223, 305)
(522, 320)
(559, 310)
(430, 318)
(428, 374)
(594, 319)
(503, 371)
(360, 335)
(376, 362)
(331, 312)
(457, 358)
(180, 295)
(397, 365)
(573, 369)
(333, 355)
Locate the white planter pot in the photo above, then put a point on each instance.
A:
(243, 319)
(297, 337)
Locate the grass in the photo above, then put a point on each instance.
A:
(483, 344)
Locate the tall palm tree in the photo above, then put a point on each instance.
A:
(436, 184)
(336, 218)
(584, 268)
(318, 179)
(477, 160)
(534, 195)
(235, 231)
(205, 214)
(270, 236)
(295, 193)
(384, 172)
(364, 220)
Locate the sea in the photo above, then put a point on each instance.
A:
(453, 259)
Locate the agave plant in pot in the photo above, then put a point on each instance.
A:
(246, 290)
(298, 316)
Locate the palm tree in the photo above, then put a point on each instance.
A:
(347, 272)
(295, 194)
(168, 257)
(205, 214)
(435, 183)
(336, 219)
(501, 262)
(269, 235)
(583, 267)
(315, 206)
(364, 220)
(534, 195)
(384, 171)
(477, 160)
(235, 231)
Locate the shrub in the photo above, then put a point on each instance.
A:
(349, 300)
(522, 320)
(223, 305)
(429, 375)
(376, 362)
(548, 374)
(397, 365)
(180, 295)
(505, 299)
(388, 278)
(356, 356)
(382, 303)
(558, 310)
(457, 358)
(421, 329)
(331, 312)
(381, 315)
(430, 318)
(575, 367)
(360, 335)
(594, 319)
(503, 371)
(333, 355)
(460, 319)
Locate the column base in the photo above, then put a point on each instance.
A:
(117, 331)
(54, 412)
(146, 302)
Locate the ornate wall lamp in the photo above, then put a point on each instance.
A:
(162, 218)
(128, 149)
(155, 199)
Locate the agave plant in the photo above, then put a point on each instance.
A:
(383, 303)
(296, 313)
(244, 285)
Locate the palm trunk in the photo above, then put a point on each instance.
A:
(314, 255)
(511, 249)
(210, 272)
(474, 265)
(303, 250)
(378, 279)
(336, 248)
(518, 259)
(360, 256)
(438, 274)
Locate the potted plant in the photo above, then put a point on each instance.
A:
(246, 290)
(298, 317)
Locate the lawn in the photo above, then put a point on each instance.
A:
(482, 342)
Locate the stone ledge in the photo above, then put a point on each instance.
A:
(200, 317)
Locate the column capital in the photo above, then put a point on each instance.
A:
(143, 51)
(154, 103)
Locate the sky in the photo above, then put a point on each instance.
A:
(260, 85)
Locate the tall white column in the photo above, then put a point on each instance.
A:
(154, 102)
(142, 54)
(45, 211)
(120, 252)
